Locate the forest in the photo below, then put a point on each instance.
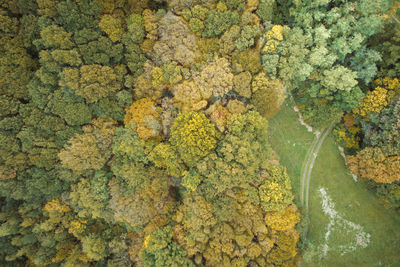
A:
(135, 132)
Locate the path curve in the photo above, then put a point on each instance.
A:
(314, 156)
(307, 169)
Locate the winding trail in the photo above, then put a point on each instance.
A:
(308, 166)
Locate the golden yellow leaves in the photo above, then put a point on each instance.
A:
(77, 226)
(374, 101)
(275, 33)
(283, 220)
(112, 26)
(193, 136)
(146, 116)
(380, 97)
(274, 36)
(57, 206)
(373, 163)
(187, 97)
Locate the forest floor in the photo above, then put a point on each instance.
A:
(347, 225)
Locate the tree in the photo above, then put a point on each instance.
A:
(193, 136)
(240, 155)
(324, 56)
(146, 115)
(99, 49)
(283, 220)
(242, 84)
(91, 196)
(56, 37)
(268, 95)
(160, 250)
(94, 247)
(248, 37)
(374, 101)
(165, 156)
(145, 208)
(387, 43)
(112, 26)
(95, 81)
(215, 79)
(176, 42)
(266, 10)
(228, 40)
(382, 130)
(275, 192)
(372, 163)
(90, 150)
(130, 158)
(218, 22)
(187, 97)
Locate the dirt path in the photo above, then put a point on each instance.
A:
(305, 167)
(314, 156)
(308, 166)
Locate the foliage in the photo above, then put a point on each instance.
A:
(144, 207)
(91, 195)
(187, 96)
(112, 26)
(146, 116)
(275, 192)
(193, 136)
(176, 42)
(283, 220)
(215, 79)
(160, 250)
(165, 156)
(324, 55)
(94, 247)
(268, 95)
(382, 130)
(218, 22)
(239, 156)
(266, 9)
(375, 101)
(372, 163)
(90, 150)
(242, 84)
(387, 43)
(129, 134)
(95, 82)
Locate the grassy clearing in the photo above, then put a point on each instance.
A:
(352, 201)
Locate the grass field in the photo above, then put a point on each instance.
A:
(358, 215)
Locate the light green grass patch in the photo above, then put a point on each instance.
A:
(352, 201)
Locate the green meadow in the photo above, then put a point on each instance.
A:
(358, 230)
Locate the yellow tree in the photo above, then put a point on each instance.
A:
(147, 117)
(112, 26)
(193, 136)
(372, 163)
(374, 101)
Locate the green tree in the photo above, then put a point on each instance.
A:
(160, 250)
(268, 95)
(218, 22)
(94, 247)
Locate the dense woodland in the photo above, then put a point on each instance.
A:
(134, 132)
